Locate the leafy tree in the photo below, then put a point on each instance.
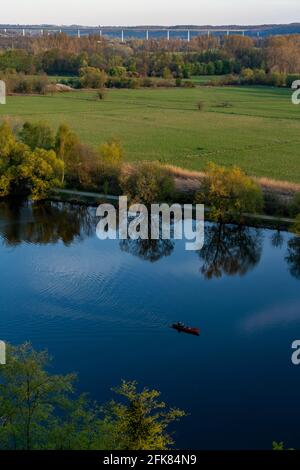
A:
(26, 172)
(247, 76)
(37, 135)
(229, 193)
(39, 410)
(149, 182)
(92, 77)
(66, 147)
(141, 422)
(111, 152)
(28, 397)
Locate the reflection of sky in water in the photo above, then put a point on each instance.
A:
(105, 312)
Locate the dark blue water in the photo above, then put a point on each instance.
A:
(103, 310)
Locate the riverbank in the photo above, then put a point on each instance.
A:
(94, 199)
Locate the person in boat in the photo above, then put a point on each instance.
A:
(180, 324)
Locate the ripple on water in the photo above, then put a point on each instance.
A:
(95, 289)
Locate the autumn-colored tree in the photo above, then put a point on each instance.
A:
(66, 147)
(111, 152)
(149, 182)
(229, 193)
(282, 53)
(92, 77)
(26, 172)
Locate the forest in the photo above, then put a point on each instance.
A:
(93, 62)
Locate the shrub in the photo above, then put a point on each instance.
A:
(100, 95)
(147, 82)
(91, 77)
(123, 82)
(149, 182)
(188, 84)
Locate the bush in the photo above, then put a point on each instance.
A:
(147, 82)
(101, 95)
(200, 105)
(91, 77)
(149, 182)
(188, 84)
(73, 82)
(123, 82)
(277, 79)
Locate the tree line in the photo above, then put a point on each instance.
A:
(270, 60)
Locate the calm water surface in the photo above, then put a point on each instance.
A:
(103, 309)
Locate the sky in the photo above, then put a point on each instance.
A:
(153, 12)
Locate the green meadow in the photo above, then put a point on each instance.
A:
(255, 128)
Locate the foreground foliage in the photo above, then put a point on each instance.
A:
(40, 410)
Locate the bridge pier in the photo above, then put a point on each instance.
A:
(122, 35)
(147, 35)
(188, 35)
(168, 35)
(78, 33)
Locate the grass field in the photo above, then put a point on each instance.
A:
(255, 128)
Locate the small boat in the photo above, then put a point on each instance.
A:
(181, 328)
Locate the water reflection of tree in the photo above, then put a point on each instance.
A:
(277, 239)
(230, 250)
(151, 249)
(148, 250)
(44, 223)
(293, 257)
